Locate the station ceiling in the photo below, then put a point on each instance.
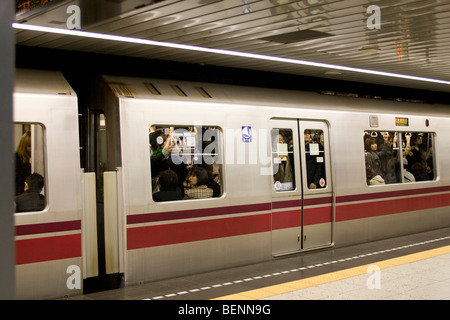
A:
(319, 38)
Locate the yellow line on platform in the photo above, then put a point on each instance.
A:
(333, 276)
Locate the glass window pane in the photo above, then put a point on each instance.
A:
(315, 159)
(382, 157)
(186, 162)
(283, 160)
(29, 167)
(418, 156)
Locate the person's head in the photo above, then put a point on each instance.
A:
(416, 139)
(168, 180)
(371, 144)
(198, 176)
(157, 139)
(24, 147)
(34, 182)
(307, 135)
(418, 169)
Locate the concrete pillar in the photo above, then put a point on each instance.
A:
(7, 60)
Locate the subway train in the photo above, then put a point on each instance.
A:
(145, 179)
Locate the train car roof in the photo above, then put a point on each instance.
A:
(163, 89)
(42, 82)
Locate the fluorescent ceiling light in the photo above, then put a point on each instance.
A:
(93, 35)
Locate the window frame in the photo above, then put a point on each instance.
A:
(327, 173)
(400, 141)
(292, 162)
(45, 190)
(217, 155)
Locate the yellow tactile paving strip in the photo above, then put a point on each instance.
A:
(333, 276)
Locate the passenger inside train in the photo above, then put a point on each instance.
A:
(168, 187)
(192, 154)
(31, 198)
(23, 161)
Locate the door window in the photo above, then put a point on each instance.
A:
(315, 159)
(30, 191)
(283, 160)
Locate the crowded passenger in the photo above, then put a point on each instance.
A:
(168, 187)
(198, 184)
(381, 158)
(373, 178)
(31, 198)
(23, 162)
(418, 155)
(161, 160)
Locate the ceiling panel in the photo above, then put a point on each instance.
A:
(413, 37)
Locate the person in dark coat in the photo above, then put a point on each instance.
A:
(168, 186)
(22, 162)
(31, 199)
(161, 159)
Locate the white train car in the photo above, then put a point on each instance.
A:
(286, 172)
(48, 230)
(257, 215)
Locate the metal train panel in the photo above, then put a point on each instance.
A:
(244, 185)
(49, 238)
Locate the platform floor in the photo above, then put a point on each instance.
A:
(412, 267)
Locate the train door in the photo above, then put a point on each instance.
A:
(317, 202)
(287, 187)
(302, 189)
(101, 207)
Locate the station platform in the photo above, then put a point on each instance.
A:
(411, 267)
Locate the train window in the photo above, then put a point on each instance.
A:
(315, 159)
(186, 162)
(29, 167)
(394, 157)
(418, 161)
(283, 160)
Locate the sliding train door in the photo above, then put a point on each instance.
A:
(287, 187)
(317, 201)
(302, 212)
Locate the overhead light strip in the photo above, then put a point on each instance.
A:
(93, 35)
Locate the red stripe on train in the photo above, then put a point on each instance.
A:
(293, 218)
(286, 219)
(48, 248)
(196, 213)
(48, 227)
(159, 235)
(385, 207)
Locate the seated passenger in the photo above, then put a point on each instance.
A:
(407, 176)
(373, 178)
(420, 172)
(198, 180)
(31, 199)
(168, 186)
